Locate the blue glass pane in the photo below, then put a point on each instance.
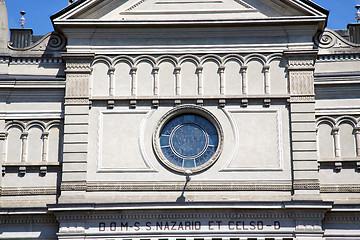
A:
(188, 140)
(213, 140)
(210, 151)
(167, 152)
(206, 125)
(189, 118)
(177, 160)
(164, 141)
(189, 163)
(166, 130)
(201, 160)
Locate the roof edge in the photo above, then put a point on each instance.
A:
(64, 10)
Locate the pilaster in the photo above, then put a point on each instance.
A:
(76, 121)
(303, 128)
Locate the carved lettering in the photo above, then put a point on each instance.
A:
(188, 225)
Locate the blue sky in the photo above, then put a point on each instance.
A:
(38, 13)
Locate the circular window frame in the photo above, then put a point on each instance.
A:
(175, 112)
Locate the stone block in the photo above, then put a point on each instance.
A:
(76, 119)
(303, 146)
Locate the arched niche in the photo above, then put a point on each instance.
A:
(188, 78)
(34, 144)
(233, 77)
(122, 77)
(278, 79)
(211, 78)
(100, 79)
(347, 140)
(144, 79)
(14, 144)
(255, 77)
(166, 79)
(54, 144)
(326, 148)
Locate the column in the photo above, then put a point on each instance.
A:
(177, 80)
(267, 79)
(199, 71)
(45, 137)
(306, 184)
(335, 132)
(24, 137)
(133, 81)
(357, 137)
(156, 80)
(222, 80)
(76, 122)
(3, 138)
(112, 81)
(244, 80)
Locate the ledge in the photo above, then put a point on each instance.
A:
(210, 97)
(332, 160)
(30, 164)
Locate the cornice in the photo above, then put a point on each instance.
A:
(185, 215)
(232, 208)
(240, 22)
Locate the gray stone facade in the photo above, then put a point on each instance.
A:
(84, 113)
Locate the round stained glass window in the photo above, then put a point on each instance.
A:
(188, 141)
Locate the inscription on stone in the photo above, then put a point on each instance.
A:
(190, 225)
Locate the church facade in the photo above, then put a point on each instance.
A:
(190, 119)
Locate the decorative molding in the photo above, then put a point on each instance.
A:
(330, 39)
(133, 103)
(77, 101)
(52, 41)
(301, 62)
(306, 185)
(77, 84)
(27, 219)
(135, 5)
(229, 114)
(13, 191)
(301, 82)
(244, 4)
(199, 59)
(294, 99)
(32, 60)
(267, 102)
(222, 103)
(147, 167)
(191, 186)
(155, 103)
(185, 215)
(73, 186)
(340, 188)
(244, 102)
(110, 104)
(188, 109)
(338, 57)
(354, 217)
(3, 136)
